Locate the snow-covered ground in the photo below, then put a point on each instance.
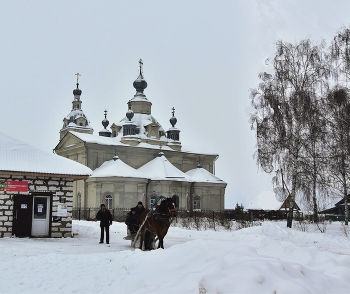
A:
(262, 259)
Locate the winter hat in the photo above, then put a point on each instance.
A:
(103, 205)
(139, 203)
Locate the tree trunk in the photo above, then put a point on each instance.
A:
(346, 209)
(291, 201)
(315, 209)
(314, 200)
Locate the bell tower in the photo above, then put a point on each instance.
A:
(76, 120)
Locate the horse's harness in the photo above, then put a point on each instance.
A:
(165, 217)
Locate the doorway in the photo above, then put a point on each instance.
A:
(22, 215)
(41, 216)
(31, 215)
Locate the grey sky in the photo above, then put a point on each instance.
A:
(200, 57)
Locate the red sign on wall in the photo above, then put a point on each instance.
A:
(16, 186)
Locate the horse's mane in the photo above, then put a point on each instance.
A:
(163, 204)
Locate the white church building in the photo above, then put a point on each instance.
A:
(136, 159)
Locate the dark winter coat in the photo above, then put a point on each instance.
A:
(132, 219)
(105, 217)
(139, 210)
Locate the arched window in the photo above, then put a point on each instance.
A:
(109, 201)
(196, 202)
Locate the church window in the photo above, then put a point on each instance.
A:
(108, 201)
(197, 202)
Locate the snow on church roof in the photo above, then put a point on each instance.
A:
(266, 200)
(142, 120)
(160, 168)
(77, 113)
(201, 175)
(88, 138)
(17, 156)
(116, 168)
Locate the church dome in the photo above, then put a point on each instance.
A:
(129, 114)
(77, 91)
(140, 84)
(173, 121)
(105, 123)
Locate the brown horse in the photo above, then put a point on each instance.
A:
(157, 222)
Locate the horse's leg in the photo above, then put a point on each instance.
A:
(153, 245)
(143, 236)
(161, 235)
(160, 239)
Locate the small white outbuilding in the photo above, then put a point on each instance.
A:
(36, 190)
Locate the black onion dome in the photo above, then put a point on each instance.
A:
(140, 84)
(77, 91)
(105, 123)
(129, 114)
(173, 121)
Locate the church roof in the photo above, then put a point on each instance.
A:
(116, 168)
(17, 156)
(114, 141)
(201, 175)
(75, 114)
(160, 168)
(142, 120)
(89, 138)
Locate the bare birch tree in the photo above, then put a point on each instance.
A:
(282, 102)
(314, 156)
(337, 110)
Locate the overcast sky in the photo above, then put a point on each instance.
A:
(201, 57)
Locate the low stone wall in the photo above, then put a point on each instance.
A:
(61, 189)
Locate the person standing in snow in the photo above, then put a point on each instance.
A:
(105, 218)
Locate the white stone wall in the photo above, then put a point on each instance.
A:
(59, 187)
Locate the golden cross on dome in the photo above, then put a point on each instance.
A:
(78, 75)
